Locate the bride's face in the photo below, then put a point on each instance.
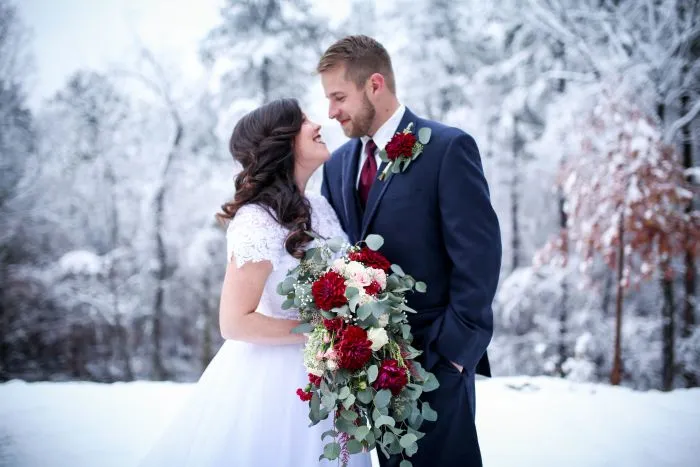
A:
(310, 150)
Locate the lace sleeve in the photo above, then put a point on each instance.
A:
(253, 235)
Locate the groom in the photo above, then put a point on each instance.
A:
(438, 223)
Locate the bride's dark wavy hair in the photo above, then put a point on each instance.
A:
(263, 143)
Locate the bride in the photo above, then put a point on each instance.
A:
(244, 410)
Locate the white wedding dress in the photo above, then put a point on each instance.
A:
(244, 411)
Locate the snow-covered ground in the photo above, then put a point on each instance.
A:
(522, 422)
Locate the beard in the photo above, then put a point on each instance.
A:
(362, 122)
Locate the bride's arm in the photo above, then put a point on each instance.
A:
(240, 296)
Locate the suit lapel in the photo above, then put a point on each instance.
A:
(350, 204)
(376, 193)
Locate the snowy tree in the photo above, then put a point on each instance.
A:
(626, 199)
(17, 163)
(264, 50)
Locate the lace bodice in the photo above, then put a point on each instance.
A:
(254, 235)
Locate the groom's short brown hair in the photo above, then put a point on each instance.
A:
(362, 56)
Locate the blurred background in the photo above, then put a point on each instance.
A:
(114, 121)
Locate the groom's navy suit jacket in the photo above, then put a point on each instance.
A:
(439, 226)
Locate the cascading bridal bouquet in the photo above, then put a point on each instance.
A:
(358, 354)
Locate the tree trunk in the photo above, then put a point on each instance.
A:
(563, 313)
(667, 308)
(515, 240)
(265, 80)
(616, 374)
(158, 368)
(668, 330)
(689, 276)
(122, 342)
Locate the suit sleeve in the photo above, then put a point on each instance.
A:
(472, 238)
(325, 187)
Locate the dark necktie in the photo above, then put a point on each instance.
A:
(368, 173)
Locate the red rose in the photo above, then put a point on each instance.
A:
(370, 258)
(303, 395)
(315, 380)
(373, 289)
(391, 376)
(333, 325)
(353, 349)
(400, 146)
(329, 291)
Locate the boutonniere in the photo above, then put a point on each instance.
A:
(402, 149)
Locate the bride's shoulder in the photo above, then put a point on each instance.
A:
(253, 218)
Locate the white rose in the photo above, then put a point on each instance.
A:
(339, 266)
(331, 365)
(379, 338)
(384, 320)
(358, 274)
(380, 277)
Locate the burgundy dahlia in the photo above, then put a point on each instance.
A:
(329, 291)
(353, 349)
(400, 146)
(391, 376)
(371, 258)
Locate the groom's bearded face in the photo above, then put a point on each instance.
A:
(348, 104)
(361, 122)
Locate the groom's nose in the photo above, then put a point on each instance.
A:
(332, 111)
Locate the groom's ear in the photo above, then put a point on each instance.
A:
(376, 83)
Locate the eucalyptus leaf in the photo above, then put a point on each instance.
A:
(372, 373)
(395, 168)
(405, 463)
(407, 440)
(341, 311)
(428, 413)
(344, 392)
(421, 287)
(385, 420)
(335, 244)
(431, 383)
(374, 241)
(331, 451)
(287, 304)
(397, 270)
(345, 426)
(412, 449)
(331, 433)
(354, 447)
(362, 432)
(351, 292)
(365, 311)
(383, 155)
(349, 401)
(382, 398)
(365, 396)
(327, 314)
(303, 328)
(424, 135)
(348, 415)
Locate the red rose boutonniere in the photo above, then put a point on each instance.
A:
(403, 149)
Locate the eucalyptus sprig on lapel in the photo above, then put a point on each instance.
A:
(402, 149)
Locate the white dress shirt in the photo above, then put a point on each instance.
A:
(381, 138)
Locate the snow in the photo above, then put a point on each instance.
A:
(522, 421)
(80, 262)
